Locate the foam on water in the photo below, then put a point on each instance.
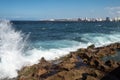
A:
(101, 39)
(14, 54)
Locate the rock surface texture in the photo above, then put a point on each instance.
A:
(83, 64)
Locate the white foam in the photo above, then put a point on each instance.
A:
(13, 56)
(99, 39)
(11, 46)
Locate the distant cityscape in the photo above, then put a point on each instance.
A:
(108, 19)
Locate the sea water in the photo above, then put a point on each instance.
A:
(23, 43)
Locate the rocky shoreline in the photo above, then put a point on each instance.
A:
(83, 64)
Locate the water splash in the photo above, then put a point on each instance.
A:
(14, 54)
(12, 44)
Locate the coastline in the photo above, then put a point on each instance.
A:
(83, 64)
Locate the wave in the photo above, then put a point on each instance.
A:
(12, 44)
(99, 39)
(15, 51)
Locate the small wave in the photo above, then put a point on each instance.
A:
(99, 39)
(14, 54)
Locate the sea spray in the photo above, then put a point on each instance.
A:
(13, 55)
(12, 44)
(16, 52)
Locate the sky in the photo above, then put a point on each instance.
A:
(58, 9)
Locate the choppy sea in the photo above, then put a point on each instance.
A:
(25, 42)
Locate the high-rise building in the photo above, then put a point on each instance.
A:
(107, 18)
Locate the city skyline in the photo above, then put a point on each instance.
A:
(58, 9)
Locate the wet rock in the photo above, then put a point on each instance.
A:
(91, 46)
(115, 45)
(81, 51)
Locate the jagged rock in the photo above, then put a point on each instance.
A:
(98, 73)
(91, 46)
(91, 78)
(75, 74)
(104, 68)
(73, 58)
(86, 56)
(112, 63)
(115, 46)
(44, 63)
(81, 51)
(67, 66)
(41, 71)
(102, 53)
(96, 62)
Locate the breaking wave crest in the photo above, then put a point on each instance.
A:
(12, 44)
(15, 52)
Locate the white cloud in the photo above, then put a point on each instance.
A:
(118, 12)
(115, 11)
(114, 8)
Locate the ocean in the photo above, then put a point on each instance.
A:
(25, 42)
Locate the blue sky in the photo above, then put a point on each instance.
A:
(47, 9)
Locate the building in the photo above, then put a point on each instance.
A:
(107, 19)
